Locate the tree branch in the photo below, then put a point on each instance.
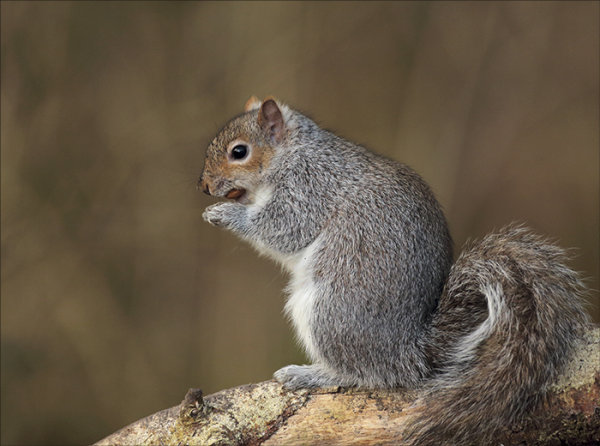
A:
(267, 414)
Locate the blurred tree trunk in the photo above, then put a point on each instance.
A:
(267, 414)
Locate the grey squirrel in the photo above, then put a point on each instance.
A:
(374, 296)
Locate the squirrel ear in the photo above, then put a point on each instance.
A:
(271, 119)
(252, 104)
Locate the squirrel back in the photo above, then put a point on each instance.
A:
(372, 295)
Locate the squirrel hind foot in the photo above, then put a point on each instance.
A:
(296, 377)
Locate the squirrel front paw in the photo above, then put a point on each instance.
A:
(216, 214)
(232, 216)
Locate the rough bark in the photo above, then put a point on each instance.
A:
(267, 414)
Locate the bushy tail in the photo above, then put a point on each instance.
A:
(506, 325)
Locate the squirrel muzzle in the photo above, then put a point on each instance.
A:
(203, 184)
(232, 193)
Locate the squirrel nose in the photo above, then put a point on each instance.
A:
(202, 183)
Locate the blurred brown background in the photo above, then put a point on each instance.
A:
(117, 297)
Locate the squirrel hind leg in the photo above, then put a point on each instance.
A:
(295, 377)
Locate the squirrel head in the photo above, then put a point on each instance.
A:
(243, 149)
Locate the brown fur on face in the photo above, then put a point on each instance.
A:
(221, 173)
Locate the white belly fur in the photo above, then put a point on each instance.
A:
(301, 289)
(302, 295)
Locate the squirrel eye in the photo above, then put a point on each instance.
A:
(239, 152)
